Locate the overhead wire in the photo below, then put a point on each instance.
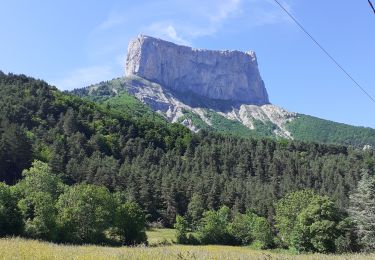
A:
(325, 51)
(371, 5)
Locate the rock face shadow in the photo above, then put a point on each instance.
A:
(196, 101)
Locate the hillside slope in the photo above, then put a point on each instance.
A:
(197, 112)
(161, 165)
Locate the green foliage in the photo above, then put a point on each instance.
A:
(39, 178)
(81, 214)
(181, 227)
(264, 129)
(249, 228)
(15, 150)
(161, 165)
(362, 211)
(130, 106)
(314, 129)
(213, 228)
(195, 119)
(310, 222)
(84, 213)
(262, 231)
(130, 224)
(287, 211)
(160, 236)
(236, 128)
(347, 240)
(158, 165)
(225, 126)
(318, 227)
(302, 127)
(195, 210)
(10, 215)
(38, 192)
(241, 228)
(39, 215)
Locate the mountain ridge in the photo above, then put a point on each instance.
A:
(213, 90)
(245, 120)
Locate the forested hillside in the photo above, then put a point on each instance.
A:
(161, 165)
(213, 115)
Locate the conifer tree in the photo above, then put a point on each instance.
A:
(362, 211)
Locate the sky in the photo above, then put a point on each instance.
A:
(72, 44)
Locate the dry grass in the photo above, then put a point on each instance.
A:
(18, 248)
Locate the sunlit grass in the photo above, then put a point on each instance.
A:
(157, 236)
(18, 248)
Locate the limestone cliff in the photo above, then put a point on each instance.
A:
(219, 75)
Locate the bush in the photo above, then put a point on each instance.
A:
(241, 229)
(84, 213)
(39, 215)
(213, 227)
(249, 227)
(258, 245)
(181, 227)
(130, 224)
(319, 228)
(39, 178)
(287, 210)
(262, 231)
(38, 192)
(10, 216)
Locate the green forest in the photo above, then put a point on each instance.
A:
(61, 155)
(303, 127)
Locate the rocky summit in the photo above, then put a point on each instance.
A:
(219, 91)
(217, 75)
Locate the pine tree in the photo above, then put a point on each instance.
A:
(362, 211)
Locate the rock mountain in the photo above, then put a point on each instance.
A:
(221, 75)
(213, 90)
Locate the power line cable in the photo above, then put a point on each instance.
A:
(325, 51)
(371, 5)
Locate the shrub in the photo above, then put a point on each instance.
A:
(181, 227)
(241, 229)
(262, 231)
(249, 227)
(10, 216)
(319, 227)
(39, 215)
(213, 227)
(39, 178)
(130, 224)
(84, 212)
(287, 210)
(37, 193)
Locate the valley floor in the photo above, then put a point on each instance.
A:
(18, 248)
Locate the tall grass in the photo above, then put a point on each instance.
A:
(18, 248)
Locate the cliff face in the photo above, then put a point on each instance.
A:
(220, 75)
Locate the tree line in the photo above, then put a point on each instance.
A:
(304, 222)
(163, 167)
(41, 206)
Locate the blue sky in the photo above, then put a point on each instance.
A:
(74, 43)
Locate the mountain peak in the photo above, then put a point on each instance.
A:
(228, 75)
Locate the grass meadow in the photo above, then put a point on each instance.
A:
(161, 247)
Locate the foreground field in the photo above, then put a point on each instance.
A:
(17, 248)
